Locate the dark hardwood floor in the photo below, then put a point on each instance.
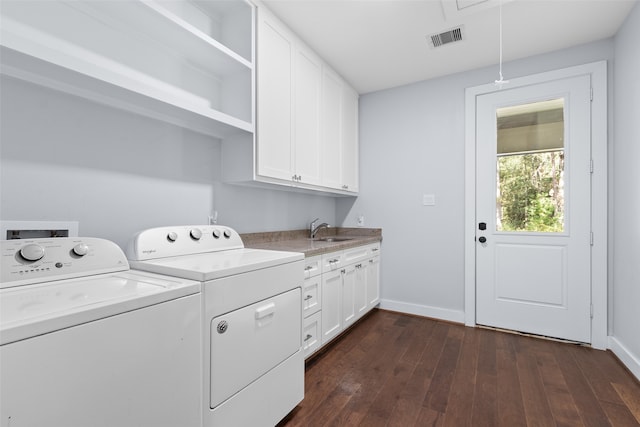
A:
(398, 370)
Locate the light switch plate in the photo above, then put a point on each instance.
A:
(428, 199)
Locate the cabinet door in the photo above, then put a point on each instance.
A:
(307, 94)
(274, 98)
(348, 295)
(373, 282)
(311, 295)
(360, 289)
(349, 139)
(311, 334)
(330, 130)
(331, 305)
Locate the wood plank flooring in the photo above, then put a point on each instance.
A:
(393, 369)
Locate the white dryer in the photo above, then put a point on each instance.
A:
(84, 341)
(252, 319)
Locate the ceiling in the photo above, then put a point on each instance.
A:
(379, 44)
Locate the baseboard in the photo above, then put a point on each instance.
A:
(631, 361)
(423, 310)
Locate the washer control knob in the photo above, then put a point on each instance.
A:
(32, 252)
(216, 233)
(227, 234)
(172, 236)
(81, 249)
(195, 233)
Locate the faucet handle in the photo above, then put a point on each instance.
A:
(313, 222)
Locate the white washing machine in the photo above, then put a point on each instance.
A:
(84, 341)
(252, 319)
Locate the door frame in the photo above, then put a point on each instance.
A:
(599, 205)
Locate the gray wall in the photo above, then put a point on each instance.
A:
(625, 226)
(65, 158)
(412, 143)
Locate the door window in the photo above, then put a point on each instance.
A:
(530, 167)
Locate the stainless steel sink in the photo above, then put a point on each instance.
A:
(334, 239)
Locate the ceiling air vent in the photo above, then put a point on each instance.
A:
(450, 36)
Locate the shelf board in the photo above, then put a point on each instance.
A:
(146, 18)
(91, 80)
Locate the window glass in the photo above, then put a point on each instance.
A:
(530, 167)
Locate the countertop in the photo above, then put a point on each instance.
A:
(299, 241)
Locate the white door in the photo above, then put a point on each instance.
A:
(533, 200)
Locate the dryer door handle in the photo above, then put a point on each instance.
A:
(265, 310)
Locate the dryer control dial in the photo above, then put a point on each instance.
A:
(32, 252)
(195, 233)
(216, 233)
(227, 234)
(81, 249)
(172, 236)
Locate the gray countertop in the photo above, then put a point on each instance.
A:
(299, 241)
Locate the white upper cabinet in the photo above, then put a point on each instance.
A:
(288, 116)
(349, 140)
(339, 133)
(189, 63)
(306, 116)
(307, 95)
(331, 131)
(274, 99)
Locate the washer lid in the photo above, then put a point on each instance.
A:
(28, 311)
(214, 265)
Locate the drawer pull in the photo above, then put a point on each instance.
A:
(308, 297)
(308, 267)
(308, 337)
(375, 250)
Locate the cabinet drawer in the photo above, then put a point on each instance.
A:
(311, 295)
(311, 334)
(354, 255)
(332, 261)
(312, 266)
(374, 249)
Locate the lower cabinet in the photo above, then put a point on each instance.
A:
(311, 306)
(331, 305)
(311, 334)
(348, 295)
(373, 281)
(350, 287)
(361, 289)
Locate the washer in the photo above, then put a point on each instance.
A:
(84, 341)
(253, 362)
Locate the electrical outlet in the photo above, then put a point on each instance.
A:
(213, 219)
(360, 220)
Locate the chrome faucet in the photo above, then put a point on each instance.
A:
(313, 230)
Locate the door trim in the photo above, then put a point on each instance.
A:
(599, 206)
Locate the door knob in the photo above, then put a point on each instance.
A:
(482, 239)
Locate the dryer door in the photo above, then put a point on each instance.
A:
(247, 343)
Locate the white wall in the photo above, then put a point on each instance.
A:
(625, 227)
(65, 158)
(412, 143)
